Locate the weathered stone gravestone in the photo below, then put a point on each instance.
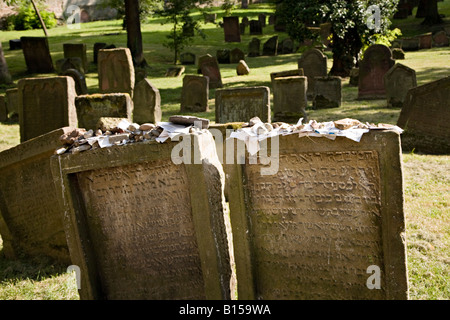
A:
(289, 98)
(3, 109)
(146, 103)
(327, 225)
(236, 55)
(80, 80)
(255, 27)
(116, 71)
(37, 54)
(90, 108)
(397, 81)
(410, 44)
(5, 76)
(242, 69)
(254, 47)
(440, 39)
(314, 64)
(144, 224)
(425, 116)
(45, 104)
(376, 63)
(12, 102)
(270, 47)
(231, 29)
(30, 218)
(187, 58)
(327, 92)
(223, 56)
(62, 65)
(76, 50)
(210, 68)
(286, 73)
(286, 46)
(195, 94)
(242, 104)
(426, 41)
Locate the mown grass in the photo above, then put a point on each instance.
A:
(427, 178)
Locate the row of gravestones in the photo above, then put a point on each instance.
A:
(424, 41)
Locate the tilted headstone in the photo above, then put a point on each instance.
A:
(314, 64)
(327, 92)
(255, 27)
(397, 81)
(241, 104)
(236, 55)
(199, 62)
(76, 50)
(440, 39)
(90, 108)
(289, 98)
(116, 71)
(327, 225)
(231, 29)
(31, 221)
(242, 69)
(80, 80)
(425, 116)
(210, 68)
(376, 63)
(151, 226)
(187, 58)
(254, 47)
(147, 103)
(5, 76)
(37, 54)
(270, 47)
(195, 94)
(46, 104)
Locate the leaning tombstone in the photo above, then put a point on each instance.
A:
(376, 63)
(241, 104)
(210, 68)
(231, 29)
(242, 69)
(254, 47)
(425, 116)
(91, 107)
(30, 219)
(46, 104)
(255, 27)
(397, 82)
(262, 19)
(270, 47)
(80, 80)
(76, 50)
(116, 71)
(37, 54)
(195, 94)
(289, 98)
(314, 64)
(327, 92)
(145, 222)
(320, 219)
(236, 55)
(146, 103)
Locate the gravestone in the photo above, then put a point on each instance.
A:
(150, 225)
(5, 76)
(223, 56)
(410, 44)
(199, 62)
(90, 108)
(376, 63)
(289, 98)
(327, 220)
(12, 102)
(116, 71)
(262, 19)
(37, 54)
(286, 73)
(210, 68)
(286, 46)
(397, 82)
(231, 29)
(30, 216)
(96, 49)
(425, 116)
(242, 69)
(76, 50)
(80, 81)
(210, 17)
(327, 92)
(314, 64)
(45, 104)
(440, 39)
(255, 27)
(254, 47)
(175, 71)
(426, 41)
(236, 55)
(242, 104)
(15, 44)
(398, 54)
(146, 103)
(195, 94)
(62, 65)
(3, 109)
(187, 58)
(270, 46)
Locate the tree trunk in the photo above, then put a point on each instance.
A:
(134, 35)
(345, 53)
(431, 12)
(40, 18)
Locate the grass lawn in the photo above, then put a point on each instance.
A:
(427, 178)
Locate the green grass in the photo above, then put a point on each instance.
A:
(427, 178)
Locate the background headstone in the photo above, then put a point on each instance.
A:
(398, 81)
(286, 46)
(286, 73)
(231, 29)
(76, 50)
(223, 56)
(254, 47)
(15, 44)
(270, 47)
(255, 27)
(46, 104)
(187, 58)
(5, 76)
(410, 43)
(242, 104)
(80, 81)
(146, 103)
(96, 49)
(116, 71)
(12, 103)
(426, 41)
(62, 65)
(37, 54)
(314, 64)
(236, 55)
(242, 69)
(195, 94)
(210, 68)
(440, 39)
(425, 116)
(327, 92)
(3, 109)
(376, 63)
(289, 98)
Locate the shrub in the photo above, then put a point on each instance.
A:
(27, 19)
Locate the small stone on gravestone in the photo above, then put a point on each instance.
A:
(210, 68)
(210, 17)
(236, 55)
(195, 94)
(187, 58)
(270, 47)
(146, 103)
(314, 64)
(76, 50)
(90, 108)
(190, 120)
(175, 71)
(398, 54)
(289, 98)
(110, 124)
(255, 27)
(231, 29)
(242, 68)
(440, 39)
(116, 71)
(398, 81)
(254, 47)
(80, 81)
(327, 92)
(223, 56)
(37, 54)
